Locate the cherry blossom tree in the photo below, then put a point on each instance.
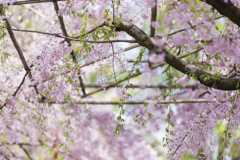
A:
(104, 79)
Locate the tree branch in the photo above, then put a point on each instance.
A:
(15, 93)
(16, 45)
(192, 27)
(63, 28)
(124, 50)
(23, 144)
(92, 30)
(134, 75)
(19, 51)
(226, 9)
(26, 152)
(31, 2)
(111, 41)
(41, 32)
(142, 102)
(72, 38)
(203, 77)
(193, 87)
(153, 18)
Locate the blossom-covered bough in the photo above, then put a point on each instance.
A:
(72, 81)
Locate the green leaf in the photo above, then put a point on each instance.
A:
(53, 75)
(119, 118)
(138, 71)
(69, 80)
(234, 106)
(150, 115)
(69, 122)
(145, 104)
(120, 105)
(123, 112)
(60, 145)
(174, 99)
(67, 149)
(66, 134)
(69, 66)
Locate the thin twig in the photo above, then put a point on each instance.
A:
(31, 2)
(111, 41)
(113, 10)
(92, 30)
(192, 27)
(92, 62)
(193, 87)
(15, 93)
(55, 148)
(13, 155)
(23, 144)
(141, 102)
(41, 32)
(72, 38)
(26, 152)
(113, 63)
(124, 50)
(135, 75)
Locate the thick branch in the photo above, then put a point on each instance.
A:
(203, 77)
(226, 9)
